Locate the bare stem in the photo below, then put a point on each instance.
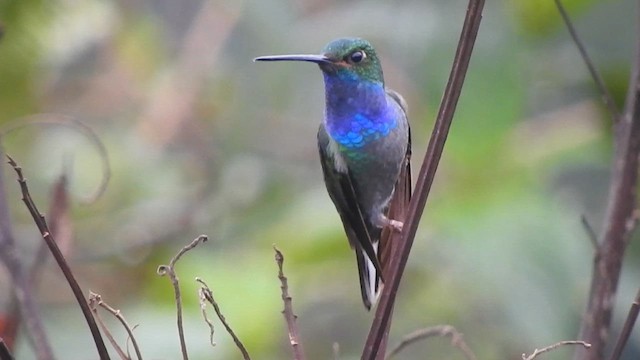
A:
(290, 317)
(207, 295)
(170, 271)
(606, 95)
(93, 304)
(627, 328)
(23, 298)
(590, 232)
(620, 220)
(62, 263)
(441, 331)
(537, 352)
(97, 299)
(425, 178)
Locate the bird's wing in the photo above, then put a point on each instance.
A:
(399, 203)
(343, 193)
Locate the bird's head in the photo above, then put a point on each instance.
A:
(346, 59)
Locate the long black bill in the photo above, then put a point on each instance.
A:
(318, 59)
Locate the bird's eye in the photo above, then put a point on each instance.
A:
(357, 56)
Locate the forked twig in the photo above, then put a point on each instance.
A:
(93, 304)
(619, 222)
(606, 95)
(426, 175)
(627, 328)
(591, 234)
(170, 271)
(290, 317)
(537, 352)
(206, 295)
(96, 299)
(441, 331)
(62, 263)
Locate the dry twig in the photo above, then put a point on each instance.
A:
(170, 271)
(93, 304)
(606, 95)
(627, 328)
(95, 300)
(537, 352)
(441, 331)
(425, 179)
(62, 263)
(29, 312)
(206, 295)
(620, 221)
(590, 232)
(290, 317)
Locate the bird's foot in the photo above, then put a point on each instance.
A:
(395, 225)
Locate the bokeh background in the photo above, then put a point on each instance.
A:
(201, 140)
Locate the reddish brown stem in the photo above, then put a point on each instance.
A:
(619, 222)
(41, 223)
(425, 178)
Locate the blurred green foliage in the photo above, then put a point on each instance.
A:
(202, 140)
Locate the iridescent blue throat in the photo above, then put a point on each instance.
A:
(356, 110)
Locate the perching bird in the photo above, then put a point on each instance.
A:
(364, 145)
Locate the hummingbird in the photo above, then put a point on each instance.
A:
(365, 145)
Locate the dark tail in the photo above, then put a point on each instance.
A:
(370, 284)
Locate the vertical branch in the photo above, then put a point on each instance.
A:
(619, 222)
(169, 270)
(425, 178)
(289, 315)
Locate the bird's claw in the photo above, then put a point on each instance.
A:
(396, 225)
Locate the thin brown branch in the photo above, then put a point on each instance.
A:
(441, 331)
(620, 220)
(632, 316)
(96, 299)
(591, 234)
(23, 299)
(206, 295)
(425, 179)
(60, 226)
(537, 352)
(597, 79)
(289, 315)
(41, 223)
(170, 271)
(93, 304)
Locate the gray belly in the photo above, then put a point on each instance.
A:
(376, 174)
